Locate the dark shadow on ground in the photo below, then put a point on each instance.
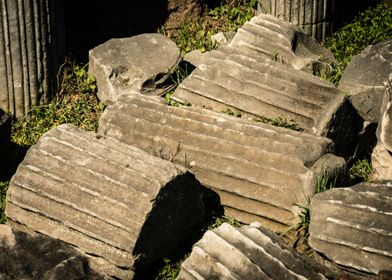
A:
(89, 23)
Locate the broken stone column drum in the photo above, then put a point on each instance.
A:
(31, 42)
(314, 16)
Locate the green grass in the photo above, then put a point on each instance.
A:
(170, 270)
(3, 192)
(218, 221)
(369, 27)
(76, 103)
(360, 171)
(301, 229)
(227, 17)
(281, 122)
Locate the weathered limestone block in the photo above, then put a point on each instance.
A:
(382, 153)
(249, 252)
(122, 207)
(352, 226)
(139, 63)
(281, 41)
(257, 88)
(31, 42)
(315, 17)
(364, 78)
(36, 256)
(258, 170)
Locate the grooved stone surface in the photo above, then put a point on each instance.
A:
(249, 252)
(31, 42)
(352, 226)
(258, 170)
(315, 17)
(254, 87)
(364, 77)
(139, 63)
(119, 205)
(281, 41)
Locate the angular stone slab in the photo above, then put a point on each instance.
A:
(36, 256)
(258, 170)
(363, 79)
(352, 226)
(278, 40)
(382, 153)
(32, 41)
(249, 252)
(255, 88)
(122, 207)
(315, 17)
(140, 63)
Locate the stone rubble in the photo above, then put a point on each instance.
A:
(113, 202)
(352, 226)
(256, 88)
(141, 63)
(249, 252)
(364, 78)
(260, 171)
(382, 153)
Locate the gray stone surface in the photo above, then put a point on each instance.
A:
(382, 153)
(36, 256)
(31, 43)
(352, 226)
(363, 79)
(141, 63)
(315, 17)
(258, 170)
(121, 206)
(249, 252)
(254, 87)
(281, 41)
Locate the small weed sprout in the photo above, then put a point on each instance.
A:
(169, 271)
(218, 221)
(3, 192)
(281, 122)
(360, 171)
(230, 112)
(176, 79)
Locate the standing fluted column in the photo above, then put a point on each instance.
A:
(314, 16)
(31, 43)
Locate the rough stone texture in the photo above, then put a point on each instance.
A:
(281, 41)
(122, 207)
(363, 79)
(315, 17)
(352, 226)
(141, 63)
(254, 87)
(36, 256)
(258, 170)
(249, 252)
(31, 42)
(385, 126)
(382, 153)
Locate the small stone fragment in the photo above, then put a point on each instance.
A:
(141, 63)
(363, 79)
